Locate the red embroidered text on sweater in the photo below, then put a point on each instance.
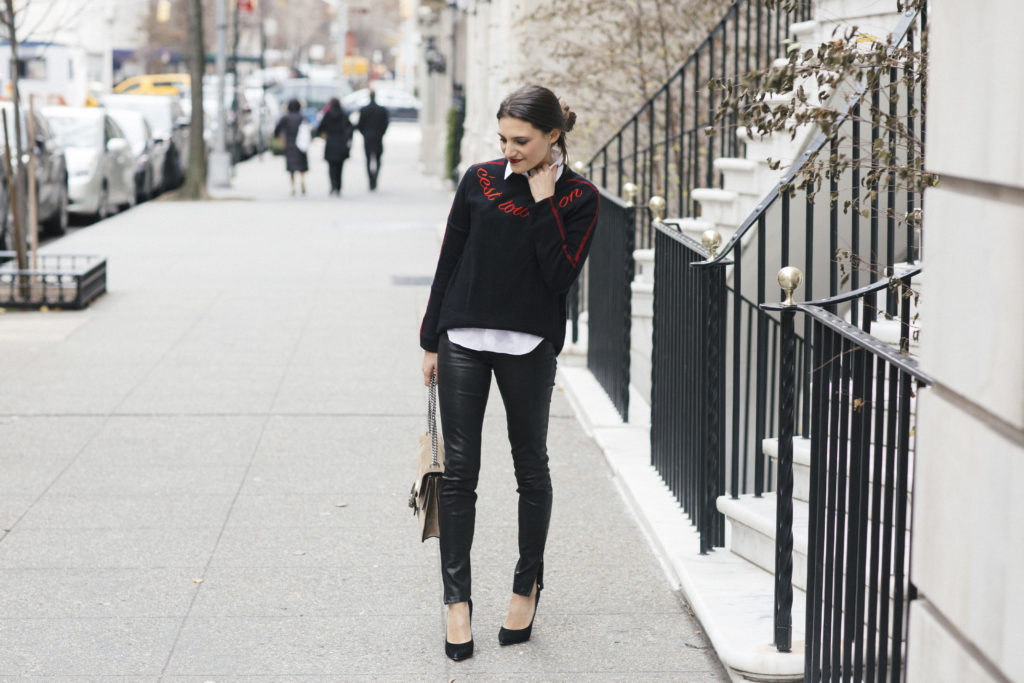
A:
(507, 261)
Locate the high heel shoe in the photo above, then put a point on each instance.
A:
(459, 651)
(512, 636)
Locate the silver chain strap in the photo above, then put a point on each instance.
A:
(432, 417)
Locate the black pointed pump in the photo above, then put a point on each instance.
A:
(460, 651)
(509, 636)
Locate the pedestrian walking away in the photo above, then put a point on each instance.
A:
(337, 130)
(294, 156)
(517, 236)
(373, 123)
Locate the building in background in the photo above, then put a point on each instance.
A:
(89, 32)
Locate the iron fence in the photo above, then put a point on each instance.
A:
(786, 228)
(610, 270)
(687, 385)
(860, 490)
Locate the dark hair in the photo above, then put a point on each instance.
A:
(542, 109)
(293, 105)
(334, 104)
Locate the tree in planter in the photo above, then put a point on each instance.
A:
(850, 80)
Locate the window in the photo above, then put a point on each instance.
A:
(34, 68)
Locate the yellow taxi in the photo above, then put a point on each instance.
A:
(155, 84)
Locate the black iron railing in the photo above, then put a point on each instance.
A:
(687, 386)
(610, 270)
(668, 147)
(862, 422)
(790, 227)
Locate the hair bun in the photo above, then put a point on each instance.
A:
(570, 117)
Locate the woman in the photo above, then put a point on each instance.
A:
(518, 233)
(294, 158)
(338, 130)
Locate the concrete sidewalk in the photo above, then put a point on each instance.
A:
(203, 476)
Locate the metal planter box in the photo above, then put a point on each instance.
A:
(59, 281)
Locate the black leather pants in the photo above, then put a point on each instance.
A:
(525, 383)
(334, 170)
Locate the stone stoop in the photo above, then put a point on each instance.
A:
(750, 530)
(801, 464)
(747, 176)
(642, 331)
(695, 227)
(802, 468)
(732, 598)
(778, 146)
(890, 331)
(725, 208)
(869, 16)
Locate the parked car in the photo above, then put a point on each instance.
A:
(155, 84)
(51, 176)
(266, 110)
(170, 127)
(248, 135)
(149, 157)
(101, 165)
(401, 105)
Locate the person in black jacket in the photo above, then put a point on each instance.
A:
(517, 237)
(336, 127)
(294, 158)
(373, 123)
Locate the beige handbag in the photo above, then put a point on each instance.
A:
(426, 490)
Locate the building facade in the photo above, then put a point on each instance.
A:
(968, 548)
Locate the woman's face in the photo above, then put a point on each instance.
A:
(525, 146)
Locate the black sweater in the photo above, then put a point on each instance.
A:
(507, 262)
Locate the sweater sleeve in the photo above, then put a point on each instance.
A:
(455, 235)
(562, 241)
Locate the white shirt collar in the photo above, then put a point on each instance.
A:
(556, 158)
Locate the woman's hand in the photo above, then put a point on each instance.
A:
(542, 181)
(429, 367)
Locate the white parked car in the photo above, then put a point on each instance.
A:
(101, 165)
(401, 106)
(170, 126)
(149, 156)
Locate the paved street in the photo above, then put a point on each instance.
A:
(204, 476)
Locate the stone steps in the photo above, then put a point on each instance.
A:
(751, 535)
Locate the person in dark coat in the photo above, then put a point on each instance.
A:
(373, 123)
(294, 158)
(336, 127)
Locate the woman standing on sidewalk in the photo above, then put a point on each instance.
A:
(517, 236)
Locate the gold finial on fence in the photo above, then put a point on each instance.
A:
(579, 166)
(657, 206)
(630, 190)
(789, 279)
(711, 239)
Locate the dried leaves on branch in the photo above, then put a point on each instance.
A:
(853, 80)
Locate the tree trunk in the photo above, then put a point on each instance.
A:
(12, 163)
(195, 177)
